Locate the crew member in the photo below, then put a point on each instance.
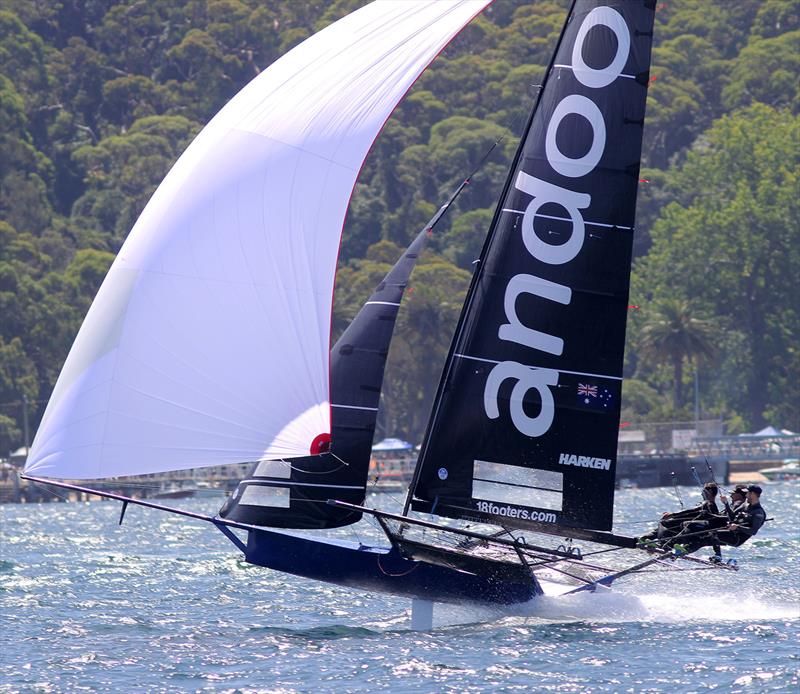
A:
(716, 522)
(747, 520)
(738, 494)
(673, 523)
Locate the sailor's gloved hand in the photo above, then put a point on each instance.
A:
(733, 526)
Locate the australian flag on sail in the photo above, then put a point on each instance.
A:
(595, 397)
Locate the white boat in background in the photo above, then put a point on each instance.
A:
(790, 470)
(187, 490)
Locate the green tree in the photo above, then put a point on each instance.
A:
(126, 99)
(204, 74)
(18, 383)
(22, 58)
(425, 328)
(24, 201)
(133, 36)
(463, 242)
(674, 332)
(775, 17)
(122, 172)
(731, 242)
(766, 70)
(85, 274)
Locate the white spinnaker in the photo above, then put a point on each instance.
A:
(208, 342)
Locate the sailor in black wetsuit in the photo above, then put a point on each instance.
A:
(729, 510)
(673, 523)
(738, 499)
(746, 521)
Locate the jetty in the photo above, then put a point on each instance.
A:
(649, 456)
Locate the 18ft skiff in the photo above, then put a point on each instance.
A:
(208, 342)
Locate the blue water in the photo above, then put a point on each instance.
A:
(164, 604)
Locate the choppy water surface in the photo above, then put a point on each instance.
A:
(164, 603)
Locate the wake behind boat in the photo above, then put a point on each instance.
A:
(522, 439)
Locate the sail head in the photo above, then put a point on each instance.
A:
(525, 422)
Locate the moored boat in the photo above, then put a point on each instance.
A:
(790, 470)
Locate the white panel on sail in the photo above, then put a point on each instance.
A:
(512, 484)
(208, 342)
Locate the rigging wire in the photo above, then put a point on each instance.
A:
(635, 522)
(391, 497)
(354, 533)
(47, 489)
(317, 472)
(137, 485)
(675, 487)
(711, 472)
(602, 551)
(289, 464)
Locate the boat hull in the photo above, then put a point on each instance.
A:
(788, 472)
(384, 570)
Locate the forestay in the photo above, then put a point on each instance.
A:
(525, 423)
(208, 342)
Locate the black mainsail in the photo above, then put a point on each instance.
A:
(524, 426)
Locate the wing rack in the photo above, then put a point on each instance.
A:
(511, 557)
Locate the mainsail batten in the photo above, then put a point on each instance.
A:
(208, 342)
(532, 385)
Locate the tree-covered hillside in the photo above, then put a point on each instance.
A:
(99, 97)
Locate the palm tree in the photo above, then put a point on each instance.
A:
(676, 332)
